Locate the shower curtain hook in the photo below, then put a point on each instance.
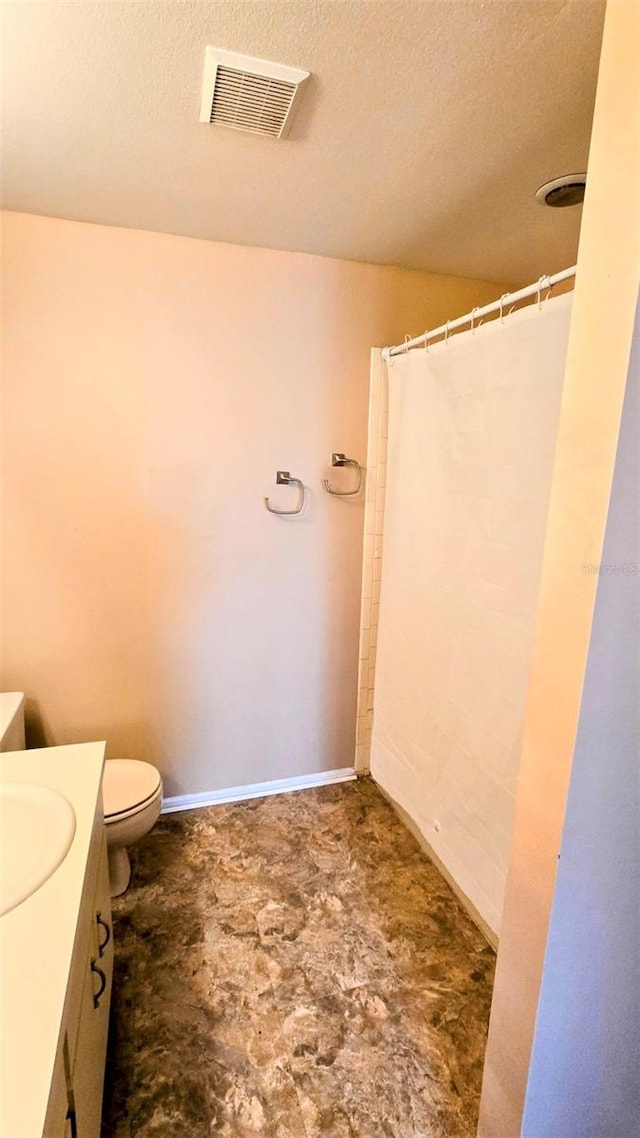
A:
(446, 332)
(426, 342)
(473, 316)
(406, 341)
(539, 291)
(505, 296)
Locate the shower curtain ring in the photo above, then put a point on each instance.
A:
(505, 296)
(446, 332)
(406, 341)
(472, 320)
(426, 342)
(539, 291)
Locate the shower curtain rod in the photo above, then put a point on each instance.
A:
(477, 313)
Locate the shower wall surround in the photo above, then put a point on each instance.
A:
(372, 554)
(472, 433)
(152, 387)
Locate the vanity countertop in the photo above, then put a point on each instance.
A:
(37, 939)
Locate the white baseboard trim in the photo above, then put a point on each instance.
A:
(255, 790)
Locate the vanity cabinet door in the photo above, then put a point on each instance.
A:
(88, 1073)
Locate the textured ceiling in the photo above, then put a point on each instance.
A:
(420, 139)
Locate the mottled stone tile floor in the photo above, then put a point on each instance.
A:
(294, 967)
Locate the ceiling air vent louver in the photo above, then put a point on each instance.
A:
(248, 94)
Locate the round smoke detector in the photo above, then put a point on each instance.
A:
(561, 192)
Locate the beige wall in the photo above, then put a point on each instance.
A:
(584, 1075)
(597, 362)
(153, 385)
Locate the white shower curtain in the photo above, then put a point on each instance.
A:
(472, 431)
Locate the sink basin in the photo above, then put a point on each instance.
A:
(36, 829)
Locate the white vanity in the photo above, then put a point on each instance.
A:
(56, 947)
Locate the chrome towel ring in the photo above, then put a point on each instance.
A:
(283, 478)
(342, 460)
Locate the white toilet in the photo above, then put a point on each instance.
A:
(132, 797)
(131, 793)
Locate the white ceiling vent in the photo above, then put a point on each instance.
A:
(248, 94)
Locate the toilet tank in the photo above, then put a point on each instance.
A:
(12, 721)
